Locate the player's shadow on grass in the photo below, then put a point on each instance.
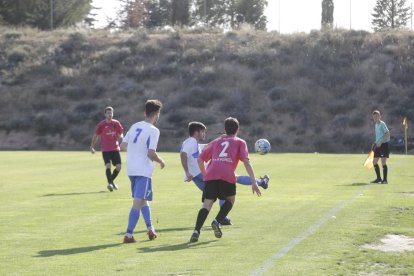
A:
(70, 194)
(357, 184)
(160, 230)
(174, 247)
(77, 250)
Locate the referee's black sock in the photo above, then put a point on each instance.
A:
(108, 175)
(224, 211)
(114, 174)
(377, 171)
(201, 218)
(385, 172)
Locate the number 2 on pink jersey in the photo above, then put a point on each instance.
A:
(225, 145)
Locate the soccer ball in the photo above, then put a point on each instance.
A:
(262, 146)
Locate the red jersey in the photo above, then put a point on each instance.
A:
(109, 133)
(223, 155)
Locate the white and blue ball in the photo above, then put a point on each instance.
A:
(262, 146)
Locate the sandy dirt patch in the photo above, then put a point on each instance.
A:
(393, 243)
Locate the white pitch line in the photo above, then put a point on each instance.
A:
(282, 252)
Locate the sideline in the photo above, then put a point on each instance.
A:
(264, 267)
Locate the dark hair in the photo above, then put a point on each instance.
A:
(108, 108)
(152, 106)
(376, 112)
(231, 125)
(195, 126)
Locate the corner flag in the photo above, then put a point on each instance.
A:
(370, 159)
(405, 125)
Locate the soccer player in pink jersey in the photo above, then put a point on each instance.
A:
(189, 153)
(223, 155)
(109, 131)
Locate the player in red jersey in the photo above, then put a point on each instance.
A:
(110, 131)
(223, 155)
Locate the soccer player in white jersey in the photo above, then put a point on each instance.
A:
(141, 143)
(189, 153)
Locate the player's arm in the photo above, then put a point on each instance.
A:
(93, 143)
(184, 163)
(155, 157)
(200, 163)
(250, 172)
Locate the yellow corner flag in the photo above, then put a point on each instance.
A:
(405, 124)
(370, 159)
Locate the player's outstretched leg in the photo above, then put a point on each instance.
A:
(263, 181)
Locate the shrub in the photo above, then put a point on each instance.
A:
(114, 56)
(191, 55)
(149, 49)
(75, 43)
(74, 92)
(207, 75)
(12, 34)
(18, 54)
(54, 121)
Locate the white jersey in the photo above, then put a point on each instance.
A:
(141, 137)
(191, 147)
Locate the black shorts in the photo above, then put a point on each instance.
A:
(382, 151)
(113, 156)
(221, 189)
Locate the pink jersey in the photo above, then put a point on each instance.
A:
(109, 133)
(223, 155)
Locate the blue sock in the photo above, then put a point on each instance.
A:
(244, 180)
(221, 202)
(146, 213)
(132, 220)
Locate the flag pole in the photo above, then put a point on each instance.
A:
(405, 124)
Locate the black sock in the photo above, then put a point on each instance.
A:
(377, 171)
(201, 218)
(108, 175)
(224, 211)
(114, 174)
(385, 171)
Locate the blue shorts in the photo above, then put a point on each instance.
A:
(198, 180)
(141, 187)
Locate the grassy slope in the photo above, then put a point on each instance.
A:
(318, 89)
(58, 218)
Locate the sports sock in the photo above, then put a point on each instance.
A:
(244, 180)
(377, 171)
(201, 218)
(114, 174)
(224, 210)
(146, 213)
(385, 171)
(108, 175)
(132, 220)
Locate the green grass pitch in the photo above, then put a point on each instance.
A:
(57, 218)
